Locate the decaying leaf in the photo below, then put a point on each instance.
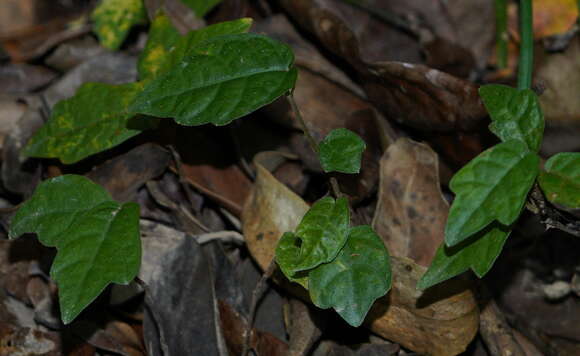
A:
(411, 210)
(440, 321)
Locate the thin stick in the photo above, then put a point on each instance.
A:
(305, 129)
(257, 295)
(526, 61)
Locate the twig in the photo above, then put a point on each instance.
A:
(257, 295)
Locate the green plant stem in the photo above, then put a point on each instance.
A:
(526, 62)
(333, 182)
(501, 39)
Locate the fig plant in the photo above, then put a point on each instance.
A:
(221, 73)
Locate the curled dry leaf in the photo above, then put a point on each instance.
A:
(414, 95)
(439, 321)
(411, 210)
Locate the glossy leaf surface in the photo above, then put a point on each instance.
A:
(359, 275)
(478, 253)
(114, 18)
(560, 179)
(515, 113)
(318, 238)
(220, 80)
(97, 239)
(93, 120)
(493, 186)
(341, 151)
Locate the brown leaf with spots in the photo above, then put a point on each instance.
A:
(411, 210)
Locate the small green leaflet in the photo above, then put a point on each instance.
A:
(515, 113)
(222, 79)
(93, 120)
(318, 238)
(360, 274)
(97, 239)
(201, 7)
(341, 151)
(114, 18)
(493, 186)
(162, 37)
(479, 252)
(560, 179)
(166, 48)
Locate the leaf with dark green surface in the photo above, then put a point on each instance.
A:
(560, 179)
(220, 80)
(493, 186)
(341, 151)
(360, 274)
(479, 253)
(516, 114)
(160, 41)
(185, 46)
(318, 238)
(113, 19)
(201, 7)
(97, 239)
(93, 120)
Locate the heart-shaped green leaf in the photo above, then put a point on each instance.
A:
(165, 48)
(114, 18)
(515, 113)
(360, 274)
(560, 179)
(341, 151)
(493, 186)
(93, 120)
(318, 238)
(479, 252)
(220, 80)
(97, 239)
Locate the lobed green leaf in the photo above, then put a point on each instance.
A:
(220, 80)
(341, 151)
(560, 179)
(97, 239)
(479, 253)
(93, 120)
(318, 238)
(515, 113)
(114, 18)
(493, 186)
(360, 274)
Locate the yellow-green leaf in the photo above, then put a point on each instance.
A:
(114, 19)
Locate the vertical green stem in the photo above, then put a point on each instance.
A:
(501, 39)
(526, 62)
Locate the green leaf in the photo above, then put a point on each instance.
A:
(561, 179)
(318, 238)
(515, 113)
(97, 239)
(479, 253)
(341, 151)
(162, 37)
(114, 18)
(360, 274)
(201, 7)
(222, 79)
(185, 46)
(93, 120)
(166, 48)
(493, 186)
